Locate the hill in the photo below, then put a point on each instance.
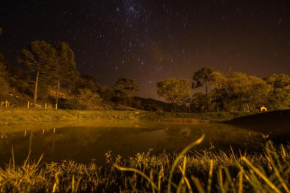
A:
(149, 104)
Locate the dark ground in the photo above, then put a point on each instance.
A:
(276, 124)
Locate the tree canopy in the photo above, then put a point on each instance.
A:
(280, 90)
(174, 90)
(126, 86)
(3, 83)
(37, 56)
(62, 70)
(202, 77)
(4, 87)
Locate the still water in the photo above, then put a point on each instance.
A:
(84, 142)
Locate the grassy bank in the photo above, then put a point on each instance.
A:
(22, 116)
(267, 171)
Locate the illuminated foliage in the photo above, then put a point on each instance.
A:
(280, 90)
(174, 90)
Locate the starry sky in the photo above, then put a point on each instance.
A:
(151, 40)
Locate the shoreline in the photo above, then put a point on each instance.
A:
(21, 116)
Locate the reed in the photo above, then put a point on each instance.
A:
(203, 171)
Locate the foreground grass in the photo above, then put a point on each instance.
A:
(206, 171)
(14, 116)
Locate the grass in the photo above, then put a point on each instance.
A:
(15, 116)
(189, 171)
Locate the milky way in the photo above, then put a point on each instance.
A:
(150, 40)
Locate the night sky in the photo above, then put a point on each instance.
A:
(150, 40)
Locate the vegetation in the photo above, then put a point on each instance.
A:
(63, 70)
(3, 77)
(14, 116)
(239, 92)
(203, 77)
(125, 86)
(174, 90)
(205, 171)
(279, 90)
(50, 78)
(36, 57)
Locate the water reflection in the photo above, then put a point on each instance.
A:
(84, 143)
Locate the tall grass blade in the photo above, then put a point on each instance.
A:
(152, 180)
(138, 172)
(27, 159)
(198, 184)
(13, 159)
(160, 175)
(229, 178)
(241, 176)
(210, 176)
(220, 180)
(261, 175)
(39, 160)
(185, 179)
(276, 170)
(73, 184)
(180, 156)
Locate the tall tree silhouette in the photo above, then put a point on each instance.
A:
(202, 77)
(37, 56)
(126, 86)
(64, 69)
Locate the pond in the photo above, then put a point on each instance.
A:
(87, 141)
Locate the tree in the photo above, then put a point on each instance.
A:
(279, 96)
(17, 78)
(106, 93)
(174, 90)
(244, 93)
(63, 69)
(37, 56)
(87, 98)
(258, 93)
(3, 83)
(200, 102)
(89, 82)
(218, 84)
(126, 86)
(203, 77)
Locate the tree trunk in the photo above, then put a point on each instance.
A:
(57, 91)
(125, 100)
(35, 89)
(130, 101)
(173, 107)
